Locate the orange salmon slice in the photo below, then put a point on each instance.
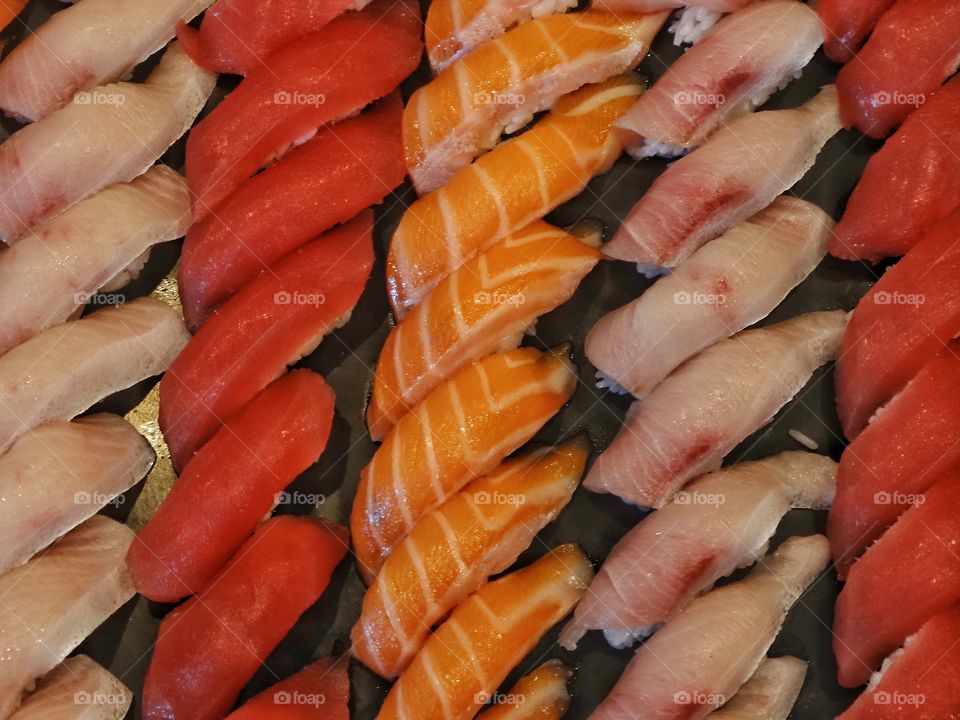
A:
(541, 695)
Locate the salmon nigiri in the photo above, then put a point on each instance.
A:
(540, 695)
(475, 534)
(460, 431)
(769, 694)
(77, 689)
(321, 691)
(506, 189)
(847, 23)
(468, 656)
(501, 85)
(482, 307)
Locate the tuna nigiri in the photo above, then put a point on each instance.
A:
(482, 307)
(211, 645)
(320, 691)
(77, 689)
(506, 189)
(698, 661)
(709, 404)
(740, 63)
(540, 695)
(454, 549)
(468, 656)
(769, 694)
(721, 522)
(738, 171)
(460, 431)
(106, 135)
(500, 86)
(847, 23)
(723, 287)
(272, 322)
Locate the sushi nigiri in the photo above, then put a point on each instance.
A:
(912, 50)
(467, 657)
(106, 135)
(211, 645)
(53, 271)
(460, 431)
(540, 695)
(60, 474)
(321, 691)
(918, 164)
(87, 44)
(735, 68)
(51, 603)
(699, 660)
(502, 84)
(269, 324)
(847, 23)
(726, 285)
(77, 689)
(506, 189)
(314, 81)
(738, 171)
(709, 404)
(483, 306)
(721, 522)
(769, 694)
(453, 550)
(325, 181)
(107, 351)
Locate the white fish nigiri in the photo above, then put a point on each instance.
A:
(699, 660)
(709, 404)
(77, 689)
(769, 694)
(725, 286)
(719, 523)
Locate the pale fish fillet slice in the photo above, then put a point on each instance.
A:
(770, 694)
(77, 689)
(106, 135)
(725, 286)
(53, 602)
(699, 660)
(91, 43)
(64, 370)
(55, 269)
(709, 404)
(61, 473)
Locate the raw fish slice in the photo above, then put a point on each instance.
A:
(539, 695)
(232, 483)
(503, 83)
(468, 656)
(506, 189)
(482, 307)
(107, 135)
(847, 23)
(737, 172)
(648, 6)
(87, 44)
(321, 691)
(769, 694)
(77, 689)
(272, 322)
(909, 575)
(723, 287)
(317, 80)
(210, 646)
(105, 352)
(718, 524)
(919, 164)
(701, 658)
(53, 271)
(912, 50)
(325, 181)
(460, 431)
(60, 474)
(896, 457)
(475, 534)
(735, 68)
(919, 682)
(709, 404)
(54, 601)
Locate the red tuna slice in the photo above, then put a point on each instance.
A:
(230, 484)
(909, 185)
(847, 23)
(914, 439)
(912, 50)
(210, 647)
(329, 179)
(272, 322)
(910, 574)
(314, 81)
(321, 691)
(922, 682)
(905, 319)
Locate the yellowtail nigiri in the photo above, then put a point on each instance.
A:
(769, 694)
(77, 689)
